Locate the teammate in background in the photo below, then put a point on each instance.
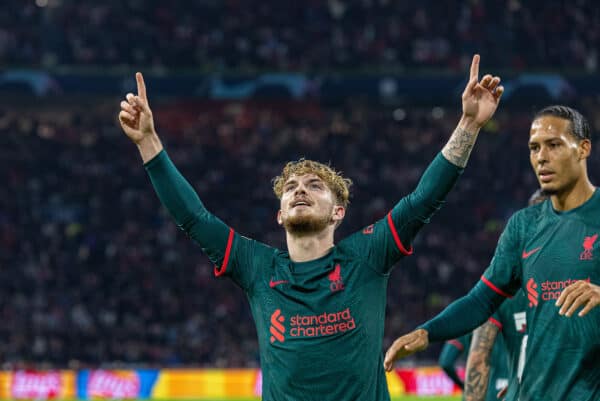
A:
(319, 308)
(496, 376)
(550, 250)
(451, 351)
(510, 319)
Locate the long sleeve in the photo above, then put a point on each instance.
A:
(416, 209)
(465, 314)
(186, 208)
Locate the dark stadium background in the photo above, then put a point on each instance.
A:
(93, 272)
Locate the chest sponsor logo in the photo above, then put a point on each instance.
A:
(335, 279)
(588, 246)
(520, 321)
(532, 294)
(302, 326)
(548, 290)
(277, 328)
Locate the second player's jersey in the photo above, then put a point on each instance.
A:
(543, 251)
(512, 321)
(319, 323)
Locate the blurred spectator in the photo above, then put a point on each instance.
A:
(308, 35)
(94, 271)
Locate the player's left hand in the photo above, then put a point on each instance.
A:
(404, 346)
(480, 99)
(580, 293)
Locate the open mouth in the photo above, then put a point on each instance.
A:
(300, 203)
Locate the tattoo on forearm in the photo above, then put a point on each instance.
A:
(478, 363)
(459, 146)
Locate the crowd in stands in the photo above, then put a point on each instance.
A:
(313, 35)
(94, 272)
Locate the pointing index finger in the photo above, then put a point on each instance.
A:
(141, 86)
(475, 68)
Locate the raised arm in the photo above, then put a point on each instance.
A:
(137, 121)
(175, 193)
(478, 362)
(479, 102)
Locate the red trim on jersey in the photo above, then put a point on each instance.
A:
(493, 287)
(456, 343)
(396, 238)
(495, 323)
(220, 271)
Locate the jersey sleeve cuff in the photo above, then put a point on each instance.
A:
(456, 343)
(495, 323)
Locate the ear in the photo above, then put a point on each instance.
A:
(338, 214)
(584, 149)
(279, 220)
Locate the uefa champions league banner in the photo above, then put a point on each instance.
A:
(413, 85)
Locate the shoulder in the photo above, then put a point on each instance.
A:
(530, 213)
(526, 219)
(257, 249)
(347, 247)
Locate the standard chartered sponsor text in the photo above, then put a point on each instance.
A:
(324, 324)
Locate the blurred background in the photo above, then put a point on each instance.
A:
(102, 296)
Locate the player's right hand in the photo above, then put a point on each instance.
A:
(404, 346)
(135, 116)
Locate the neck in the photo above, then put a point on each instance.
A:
(303, 248)
(575, 197)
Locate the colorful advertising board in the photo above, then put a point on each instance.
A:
(182, 384)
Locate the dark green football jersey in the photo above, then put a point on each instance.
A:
(512, 321)
(542, 251)
(319, 323)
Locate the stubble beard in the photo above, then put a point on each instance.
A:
(305, 225)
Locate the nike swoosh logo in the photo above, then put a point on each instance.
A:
(274, 284)
(528, 254)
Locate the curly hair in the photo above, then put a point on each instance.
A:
(334, 180)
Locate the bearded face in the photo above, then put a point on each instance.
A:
(307, 205)
(307, 222)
